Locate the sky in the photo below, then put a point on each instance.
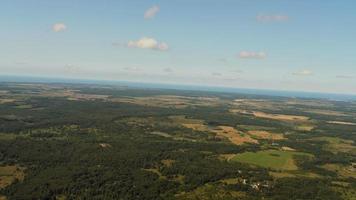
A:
(301, 45)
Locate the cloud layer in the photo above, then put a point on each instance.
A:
(151, 12)
(252, 55)
(59, 27)
(148, 43)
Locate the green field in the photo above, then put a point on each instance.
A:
(279, 160)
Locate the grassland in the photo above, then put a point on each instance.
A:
(274, 159)
(266, 135)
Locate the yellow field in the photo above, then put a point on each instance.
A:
(287, 149)
(233, 135)
(266, 135)
(5, 100)
(168, 162)
(342, 170)
(104, 145)
(280, 116)
(304, 127)
(197, 127)
(9, 174)
(342, 123)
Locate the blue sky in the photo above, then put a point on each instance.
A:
(305, 45)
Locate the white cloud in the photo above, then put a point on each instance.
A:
(148, 43)
(272, 18)
(59, 27)
(151, 12)
(303, 72)
(252, 55)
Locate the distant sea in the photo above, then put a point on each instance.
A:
(265, 92)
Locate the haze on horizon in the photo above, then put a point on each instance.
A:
(272, 44)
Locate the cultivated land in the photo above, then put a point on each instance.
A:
(85, 141)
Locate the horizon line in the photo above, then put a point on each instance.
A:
(86, 80)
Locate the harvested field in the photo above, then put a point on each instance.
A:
(9, 174)
(233, 135)
(284, 148)
(231, 181)
(104, 145)
(196, 127)
(166, 135)
(168, 162)
(5, 100)
(304, 127)
(342, 170)
(266, 135)
(326, 112)
(342, 123)
(293, 174)
(280, 117)
(226, 156)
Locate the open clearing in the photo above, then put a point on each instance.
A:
(342, 170)
(279, 160)
(210, 191)
(223, 132)
(9, 174)
(280, 117)
(326, 112)
(341, 123)
(335, 144)
(293, 174)
(233, 135)
(266, 135)
(5, 100)
(305, 127)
